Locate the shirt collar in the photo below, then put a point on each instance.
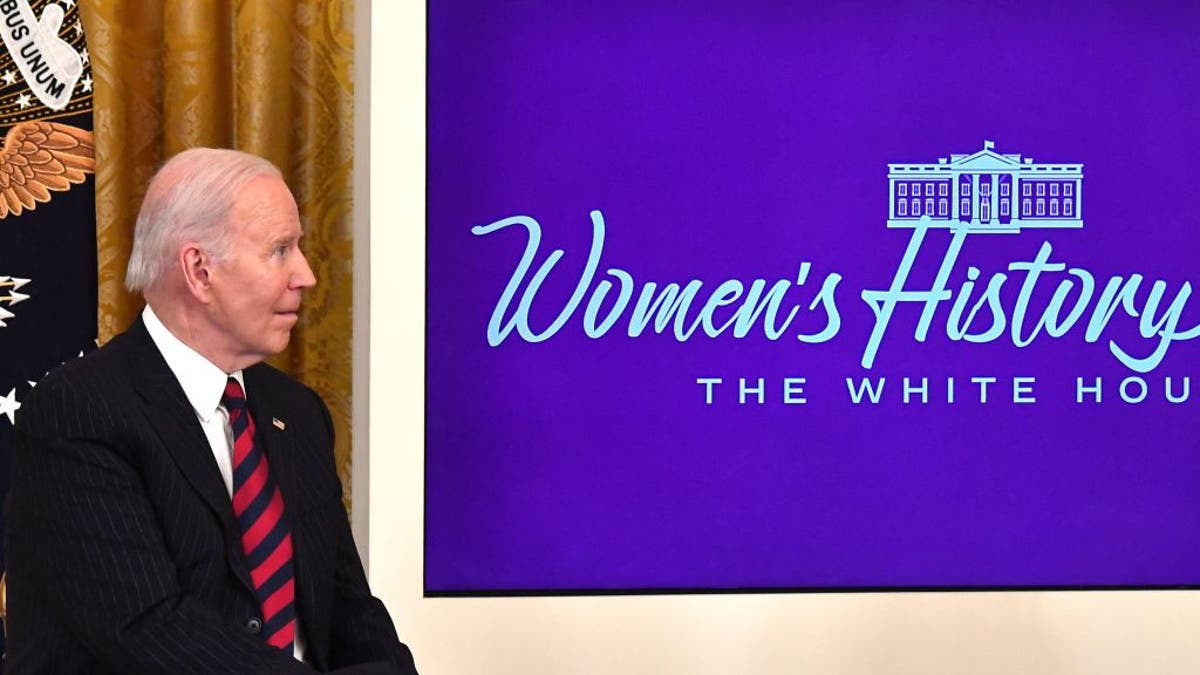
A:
(202, 381)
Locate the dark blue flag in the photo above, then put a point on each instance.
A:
(47, 201)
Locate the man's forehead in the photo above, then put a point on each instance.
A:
(265, 192)
(266, 205)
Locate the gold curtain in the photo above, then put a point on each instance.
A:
(270, 77)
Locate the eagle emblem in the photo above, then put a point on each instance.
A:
(40, 158)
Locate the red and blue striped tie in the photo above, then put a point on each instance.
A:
(266, 539)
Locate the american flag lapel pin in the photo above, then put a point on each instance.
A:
(278, 423)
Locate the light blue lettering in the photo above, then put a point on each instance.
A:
(923, 390)
(834, 319)
(1187, 391)
(1023, 390)
(1164, 327)
(883, 303)
(1034, 271)
(983, 383)
(956, 329)
(593, 306)
(726, 294)
(708, 383)
(743, 390)
(793, 390)
(1095, 390)
(1117, 290)
(873, 389)
(750, 310)
(1050, 318)
(497, 332)
(668, 303)
(1141, 384)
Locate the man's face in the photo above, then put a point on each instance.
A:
(256, 291)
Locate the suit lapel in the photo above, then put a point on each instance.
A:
(175, 422)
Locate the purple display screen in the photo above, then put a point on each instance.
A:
(789, 295)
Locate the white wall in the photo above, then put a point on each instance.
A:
(907, 633)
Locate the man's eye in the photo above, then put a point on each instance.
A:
(279, 251)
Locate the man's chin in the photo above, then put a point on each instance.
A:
(278, 345)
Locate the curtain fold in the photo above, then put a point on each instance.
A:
(270, 77)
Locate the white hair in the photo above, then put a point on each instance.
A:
(189, 200)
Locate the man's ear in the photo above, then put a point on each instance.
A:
(196, 265)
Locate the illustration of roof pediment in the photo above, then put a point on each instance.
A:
(985, 159)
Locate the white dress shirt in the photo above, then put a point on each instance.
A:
(204, 383)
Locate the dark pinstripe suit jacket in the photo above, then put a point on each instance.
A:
(123, 552)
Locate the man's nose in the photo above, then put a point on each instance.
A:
(303, 277)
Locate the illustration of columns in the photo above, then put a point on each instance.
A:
(954, 196)
(975, 198)
(994, 198)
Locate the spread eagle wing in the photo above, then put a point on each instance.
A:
(39, 158)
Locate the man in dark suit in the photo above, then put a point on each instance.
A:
(174, 504)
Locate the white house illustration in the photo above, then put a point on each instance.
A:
(986, 190)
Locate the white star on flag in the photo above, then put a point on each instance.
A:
(15, 282)
(10, 285)
(13, 298)
(84, 55)
(9, 77)
(78, 28)
(9, 405)
(86, 83)
(69, 3)
(23, 101)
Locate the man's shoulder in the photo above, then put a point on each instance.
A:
(101, 369)
(279, 383)
(88, 391)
